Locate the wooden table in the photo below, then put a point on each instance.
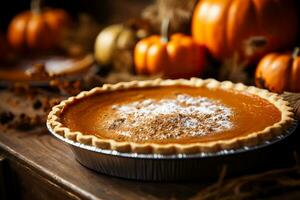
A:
(38, 166)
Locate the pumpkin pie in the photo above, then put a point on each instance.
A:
(171, 116)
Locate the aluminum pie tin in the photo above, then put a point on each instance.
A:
(201, 166)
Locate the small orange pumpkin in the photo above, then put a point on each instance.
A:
(232, 26)
(179, 57)
(37, 29)
(279, 72)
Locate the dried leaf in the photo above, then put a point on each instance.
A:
(179, 11)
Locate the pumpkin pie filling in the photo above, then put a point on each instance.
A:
(170, 114)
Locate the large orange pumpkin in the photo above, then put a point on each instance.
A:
(37, 29)
(180, 57)
(279, 72)
(230, 26)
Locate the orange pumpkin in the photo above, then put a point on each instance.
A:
(279, 72)
(231, 26)
(180, 57)
(36, 29)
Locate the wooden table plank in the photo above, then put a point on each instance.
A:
(53, 160)
(44, 156)
(3, 192)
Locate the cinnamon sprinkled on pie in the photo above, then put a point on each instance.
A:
(184, 116)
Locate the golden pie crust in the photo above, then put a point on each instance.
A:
(54, 120)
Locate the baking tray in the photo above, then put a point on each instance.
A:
(200, 166)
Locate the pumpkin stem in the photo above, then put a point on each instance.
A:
(35, 6)
(164, 29)
(296, 52)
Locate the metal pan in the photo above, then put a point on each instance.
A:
(157, 167)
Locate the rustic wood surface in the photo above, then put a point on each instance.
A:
(53, 160)
(52, 172)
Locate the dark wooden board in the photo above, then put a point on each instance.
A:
(39, 156)
(53, 160)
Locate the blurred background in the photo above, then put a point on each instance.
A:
(104, 11)
(70, 46)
